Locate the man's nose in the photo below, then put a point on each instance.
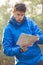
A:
(20, 16)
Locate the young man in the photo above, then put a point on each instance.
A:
(19, 23)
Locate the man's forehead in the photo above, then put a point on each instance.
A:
(20, 12)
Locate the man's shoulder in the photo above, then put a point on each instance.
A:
(8, 26)
(30, 21)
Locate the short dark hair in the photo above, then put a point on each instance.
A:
(20, 7)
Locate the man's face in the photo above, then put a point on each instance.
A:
(18, 15)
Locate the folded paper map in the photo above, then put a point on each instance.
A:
(26, 38)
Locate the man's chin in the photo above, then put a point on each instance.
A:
(19, 21)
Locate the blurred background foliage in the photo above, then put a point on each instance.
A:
(34, 11)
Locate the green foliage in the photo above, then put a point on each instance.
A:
(4, 16)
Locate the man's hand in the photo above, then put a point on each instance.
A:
(33, 40)
(23, 47)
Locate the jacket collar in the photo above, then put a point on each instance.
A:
(17, 24)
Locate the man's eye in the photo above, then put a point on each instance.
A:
(18, 14)
(22, 15)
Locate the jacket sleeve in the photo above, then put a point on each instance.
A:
(7, 44)
(37, 31)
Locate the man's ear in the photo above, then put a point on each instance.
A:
(13, 10)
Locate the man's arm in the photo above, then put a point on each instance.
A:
(7, 44)
(37, 31)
